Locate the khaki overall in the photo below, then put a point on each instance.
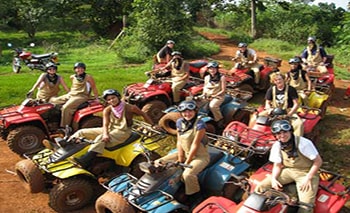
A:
(300, 85)
(255, 66)
(315, 60)
(78, 94)
(212, 88)
(294, 170)
(199, 162)
(118, 133)
(177, 84)
(47, 89)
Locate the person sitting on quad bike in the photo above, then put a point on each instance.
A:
(82, 84)
(247, 58)
(299, 79)
(191, 147)
(164, 55)
(48, 84)
(314, 56)
(295, 159)
(117, 122)
(214, 90)
(281, 95)
(179, 74)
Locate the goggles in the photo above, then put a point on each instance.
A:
(184, 106)
(282, 127)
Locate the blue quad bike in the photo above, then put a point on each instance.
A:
(161, 190)
(232, 109)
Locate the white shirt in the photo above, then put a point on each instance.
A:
(306, 147)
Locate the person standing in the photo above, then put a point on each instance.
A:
(314, 55)
(295, 159)
(191, 147)
(82, 84)
(48, 84)
(117, 122)
(164, 55)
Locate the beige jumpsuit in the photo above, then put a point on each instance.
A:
(177, 83)
(212, 88)
(294, 170)
(255, 66)
(47, 89)
(315, 60)
(199, 162)
(118, 133)
(78, 94)
(300, 85)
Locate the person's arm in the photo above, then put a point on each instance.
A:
(308, 81)
(37, 83)
(292, 93)
(307, 184)
(93, 86)
(137, 111)
(195, 145)
(255, 56)
(105, 124)
(180, 151)
(223, 87)
(276, 171)
(323, 54)
(64, 85)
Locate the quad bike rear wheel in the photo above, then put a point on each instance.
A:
(112, 202)
(154, 109)
(168, 122)
(26, 139)
(70, 194)
(30, 175)
(92, 121)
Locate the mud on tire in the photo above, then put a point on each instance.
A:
(168, 122)
(30, 176)
(154, 109)
(89, 122)
(112, 202)
(26, 139)
(70, 194)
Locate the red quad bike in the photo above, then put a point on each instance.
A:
(195, 67)
(155, 95)
(331, 196)
(270, 65)
(33, 61)
(24, 127)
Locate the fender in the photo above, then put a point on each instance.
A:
(90, 110)
(316, 99)
(230, 109)
(72, 172)
(120, 182)
(29, 118)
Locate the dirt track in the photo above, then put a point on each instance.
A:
(14, 198)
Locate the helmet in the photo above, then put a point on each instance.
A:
(281, 125)
(111, 92)
(295, 60)
(51, 64)
(279, 111)
(170, 42)
(311, 38)
(80, 64)
(184, 105)
(176, 53)
(213, 64)
(242, 45)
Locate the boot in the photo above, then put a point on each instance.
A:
(86, 160)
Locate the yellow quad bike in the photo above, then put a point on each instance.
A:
(319, 99)
(72, 187)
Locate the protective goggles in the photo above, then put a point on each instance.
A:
(184, 106)
(281, 127)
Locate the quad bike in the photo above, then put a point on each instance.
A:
(270, 65)
(71, 186)
(155, 95)
(33, 61)
(331, 196)
(194, 67)
(232, 109)
(161, 190)
(25, 126)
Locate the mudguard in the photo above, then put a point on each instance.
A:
(93, 108)
(316, 99)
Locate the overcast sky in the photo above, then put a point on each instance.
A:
(338, 3)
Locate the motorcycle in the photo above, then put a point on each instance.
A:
(33, 61)
(161, 190)
(331, 196)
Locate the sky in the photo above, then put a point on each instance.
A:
(338, 3)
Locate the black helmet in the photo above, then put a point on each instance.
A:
(281, 125)
(170, 42)
(51, 65)
(176, 53)
(184, 105)
(295, 60)
(311, 38)
(242, 44)
(279, 111)
(213, 64)
(80, 64)
(111, 92)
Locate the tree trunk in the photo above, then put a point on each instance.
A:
(253, 19)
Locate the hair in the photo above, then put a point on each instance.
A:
(274, 75)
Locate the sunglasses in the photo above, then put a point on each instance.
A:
(280, 128)
(184, 106)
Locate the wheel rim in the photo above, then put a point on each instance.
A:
(28, 142)
(73, 198)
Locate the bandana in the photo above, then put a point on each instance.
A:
(216, 78)
(81, 77)
(290, 148)
(118, 110)
(52, 78)
(187, 125)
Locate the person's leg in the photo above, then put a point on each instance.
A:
(190, 175)
(69, 108)
(284, 178)
(214, 106)
(256, 71)
(322, 69)
(176, 87)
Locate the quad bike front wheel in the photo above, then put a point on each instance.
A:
(26, 139)
(112, 202)
(30, 175)
(70, 194)
(168, 122)
(154, 109)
